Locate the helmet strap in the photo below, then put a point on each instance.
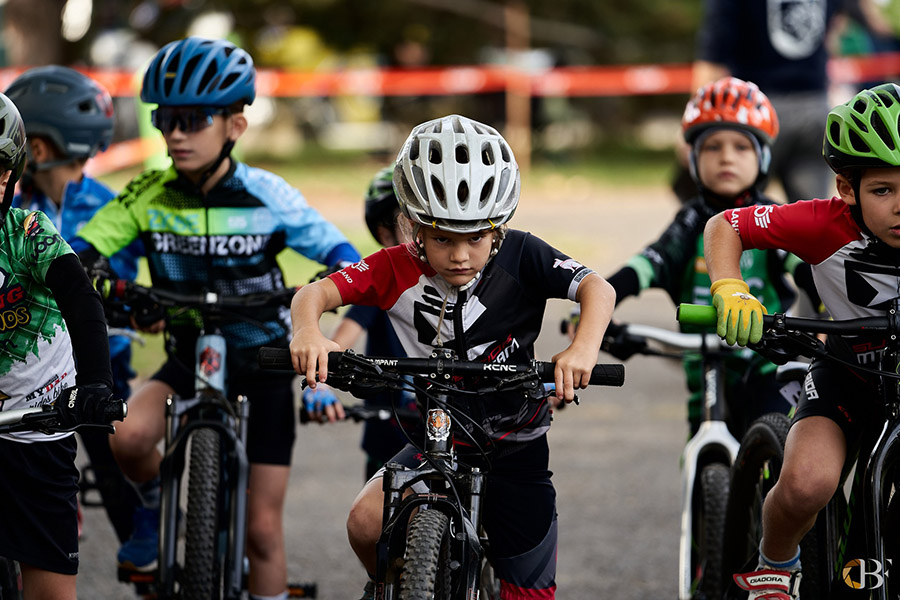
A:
(8, 195)
(210, 171)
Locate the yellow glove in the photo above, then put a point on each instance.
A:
(739, 313)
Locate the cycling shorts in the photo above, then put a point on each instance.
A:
(837, 393)
(519, 517)
(39, 504)
(271, 429)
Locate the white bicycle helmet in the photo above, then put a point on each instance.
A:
(457, 175)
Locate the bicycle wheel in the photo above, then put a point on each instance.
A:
(202, 567)
(426, 568)
(755, 472)
(710, 534)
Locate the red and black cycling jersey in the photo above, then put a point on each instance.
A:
(497, 320)
(856, 276)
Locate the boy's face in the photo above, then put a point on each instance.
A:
(4, 181)
(879, 193)
(194, 139)
(727, 163)
(457, 257)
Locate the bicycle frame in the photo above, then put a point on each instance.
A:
(467, 546)
(712, 443)
(209, 409)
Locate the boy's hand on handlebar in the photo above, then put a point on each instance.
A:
(572, 371)
(82, 404)
(322, 405)
(309, 349)
(740, 314)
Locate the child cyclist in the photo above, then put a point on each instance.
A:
(50, 313)
(853, 245)
(729, 126)
(381, 439)
(68, 119)
(210, 223)
(469, 282)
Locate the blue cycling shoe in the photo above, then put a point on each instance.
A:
(140, 553)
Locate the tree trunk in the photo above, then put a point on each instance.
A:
(32, 32)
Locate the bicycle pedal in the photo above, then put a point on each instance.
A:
(138, 578)
(302, 590)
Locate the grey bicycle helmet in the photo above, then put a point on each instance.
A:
(72, 110)
(12, 149)
(200, 72)
(380, 201)
(457, 175)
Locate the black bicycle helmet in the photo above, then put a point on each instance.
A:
(200, 72)
(381, 202)
(12, 148)
(72, 110)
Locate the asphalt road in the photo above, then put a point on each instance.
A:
(615, 457)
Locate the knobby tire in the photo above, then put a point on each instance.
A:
(202, 567)
(756, 469)
(715, 479)
(426, 569)
(9, 580)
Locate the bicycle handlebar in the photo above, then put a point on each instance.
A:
(128, 291)
(705, 316)
(602, 374)
(46, 418)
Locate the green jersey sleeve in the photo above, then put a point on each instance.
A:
(37, 243)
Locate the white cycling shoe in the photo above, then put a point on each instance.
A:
(770, 584)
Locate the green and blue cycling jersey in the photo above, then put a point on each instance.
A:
(675, 263)
(225, 241)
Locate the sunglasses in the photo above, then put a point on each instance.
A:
(187, 119)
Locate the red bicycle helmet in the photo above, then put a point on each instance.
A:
(734, 102)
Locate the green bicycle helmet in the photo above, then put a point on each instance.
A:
(863, 133)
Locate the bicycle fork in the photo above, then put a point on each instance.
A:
(235, 470)
(712, 443)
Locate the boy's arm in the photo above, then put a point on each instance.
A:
(308, 346)
(597, 299)
(739, 312)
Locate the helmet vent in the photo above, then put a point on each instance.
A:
(414, 149)
(439, 192)
(437, 127)
(857, 142)
(882, 130)
(457, 126)
(209, 77)
(504, 179)
(486, 190)
(189, 68)
(860, 105)
(462, 193)
(504, 152)
(462, 154)
(434, 152)
(860, 124)
(834, 132)
(419, 178)
(229, 80)
(487, 154)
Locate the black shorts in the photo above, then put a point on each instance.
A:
(38, 504)
(272, 424)
(519, 515)
(836, 392)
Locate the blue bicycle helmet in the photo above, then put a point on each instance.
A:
(72, 110)
(200, 72)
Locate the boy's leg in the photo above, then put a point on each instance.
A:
(135, 440)
(364, 522)
(39, 584)
(265, 529)
(813, 458)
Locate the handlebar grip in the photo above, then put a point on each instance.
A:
(114, 410)
(278, 359)
(610, 374)
(697, 314)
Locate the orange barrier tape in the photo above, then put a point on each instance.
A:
(566, 81)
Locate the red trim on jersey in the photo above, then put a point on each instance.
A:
(381, 278)
(811, 229)
(509, 591)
